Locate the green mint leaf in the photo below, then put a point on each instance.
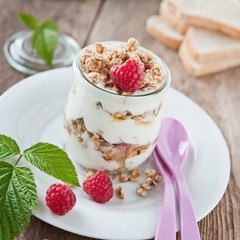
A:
(29, 20)
(53, 161)
(49, 24)
(45, 39)
(8, 147)
(17, 198)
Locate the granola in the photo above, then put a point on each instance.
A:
(157, 177)
(150, 173)
(153, 177)
(124, 178)
(141, 192)
(89, 173)
(96, 64)
(120, 193)
(118, 152)
(136, 172)
(145, 118)
(132, 178)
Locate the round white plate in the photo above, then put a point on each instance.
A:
(31, 111)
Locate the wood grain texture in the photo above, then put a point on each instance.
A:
(218, 94)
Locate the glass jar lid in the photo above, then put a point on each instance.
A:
(21, 56)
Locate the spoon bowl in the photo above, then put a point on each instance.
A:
(173, 142)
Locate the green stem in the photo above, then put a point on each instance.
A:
(18, 160)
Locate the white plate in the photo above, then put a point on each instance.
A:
(31, 111)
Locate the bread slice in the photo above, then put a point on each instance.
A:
(205, 45)
(172, 17)
(218, 15)
(174, 5)
(198, 69)
(158, 29)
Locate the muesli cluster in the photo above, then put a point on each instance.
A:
(97, 63)
(120, 193)
(132, 177)
(110, 152)
(144, 118)
(152, 178)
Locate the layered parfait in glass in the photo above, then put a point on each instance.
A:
(113, 113)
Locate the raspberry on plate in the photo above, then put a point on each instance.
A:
(60, 199)
(99, 187)
(128, 76)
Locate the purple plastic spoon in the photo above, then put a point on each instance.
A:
(172, 146)
(167, 222)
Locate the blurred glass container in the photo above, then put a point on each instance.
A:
(23, 57)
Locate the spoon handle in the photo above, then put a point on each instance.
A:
(166, 226)
(188, 222)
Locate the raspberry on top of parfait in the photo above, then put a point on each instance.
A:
(128, 76)
(123, 69)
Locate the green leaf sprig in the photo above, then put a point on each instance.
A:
(18, 192)
(45, 36)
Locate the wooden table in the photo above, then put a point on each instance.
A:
(98, 20)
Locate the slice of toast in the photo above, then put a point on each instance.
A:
(174, 5)
(198, 69)
(158, 29)
(170, 15)
(205, 45)
(218, 15)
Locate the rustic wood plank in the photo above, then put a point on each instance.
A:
(74, 18)
(118, 20)
(39, 230)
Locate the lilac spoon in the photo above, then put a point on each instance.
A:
(166, 226)
(172, 146)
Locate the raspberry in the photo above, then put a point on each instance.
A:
(128, 76)
(99, 187)
(122, 146)
(147, 67)
(60, 199)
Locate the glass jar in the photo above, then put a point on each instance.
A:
(107, 131)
